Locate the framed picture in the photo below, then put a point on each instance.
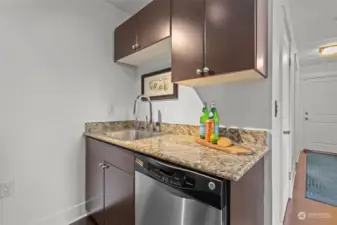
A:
(158, 85)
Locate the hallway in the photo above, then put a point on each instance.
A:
(303, 211)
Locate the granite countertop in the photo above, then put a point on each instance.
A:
(183, 150)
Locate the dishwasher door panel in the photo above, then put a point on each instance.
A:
(159, 204)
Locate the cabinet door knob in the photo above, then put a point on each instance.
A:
(133, 47)
(206, 70)
(199, 71)
(101, 165)
(105, 166)
(137, 46)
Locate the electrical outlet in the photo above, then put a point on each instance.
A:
(6, 189)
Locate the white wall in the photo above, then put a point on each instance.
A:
(244, 105)
(56, 72)
(185, 110)
(318, 70)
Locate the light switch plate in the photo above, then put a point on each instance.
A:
(7, 189)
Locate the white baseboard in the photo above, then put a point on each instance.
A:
(78, 218)
(293, 175)
(298, 156)
(64, 217)
(293, 183)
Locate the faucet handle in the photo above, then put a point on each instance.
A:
(158, 124)
(146, 123)
(134, 107)
(135, 123)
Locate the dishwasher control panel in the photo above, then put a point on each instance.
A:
(177, 179)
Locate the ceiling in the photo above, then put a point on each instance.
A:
(314, 24)
(130, 6)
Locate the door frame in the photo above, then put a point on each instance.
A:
(294, 87)
(294, 76)
(280, 18)
(285, 115)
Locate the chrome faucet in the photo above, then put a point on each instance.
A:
(148, 123)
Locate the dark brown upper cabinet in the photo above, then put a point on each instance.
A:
(219, 41)
(145, 35)
(153, 23)
(126, 38)
(187, 39)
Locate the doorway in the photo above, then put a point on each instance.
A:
(320, 112)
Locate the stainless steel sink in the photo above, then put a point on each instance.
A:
(132, 134)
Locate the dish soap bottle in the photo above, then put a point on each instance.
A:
(215, 117)
(203, 118)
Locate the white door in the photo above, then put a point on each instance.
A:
(320, 113)
(285, 121)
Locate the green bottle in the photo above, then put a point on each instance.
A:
(215, 117)
(203, 118)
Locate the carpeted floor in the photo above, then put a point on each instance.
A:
(318, 213)
(322, 178)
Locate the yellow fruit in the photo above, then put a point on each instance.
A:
(225, 142)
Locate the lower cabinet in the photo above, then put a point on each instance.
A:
(109, 185)
(119, 197)
(94, 185)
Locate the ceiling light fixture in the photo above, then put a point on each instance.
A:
(328, 50)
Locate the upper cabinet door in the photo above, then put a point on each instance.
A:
(230, 36)
(187, 39)
(126, 38)
(153, 23)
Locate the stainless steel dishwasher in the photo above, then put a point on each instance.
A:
(170, 195)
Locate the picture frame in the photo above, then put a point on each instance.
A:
(158, 85)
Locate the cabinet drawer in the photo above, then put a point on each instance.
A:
(116, 156)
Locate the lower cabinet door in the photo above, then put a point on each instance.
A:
(119, 197)
(94, 185)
